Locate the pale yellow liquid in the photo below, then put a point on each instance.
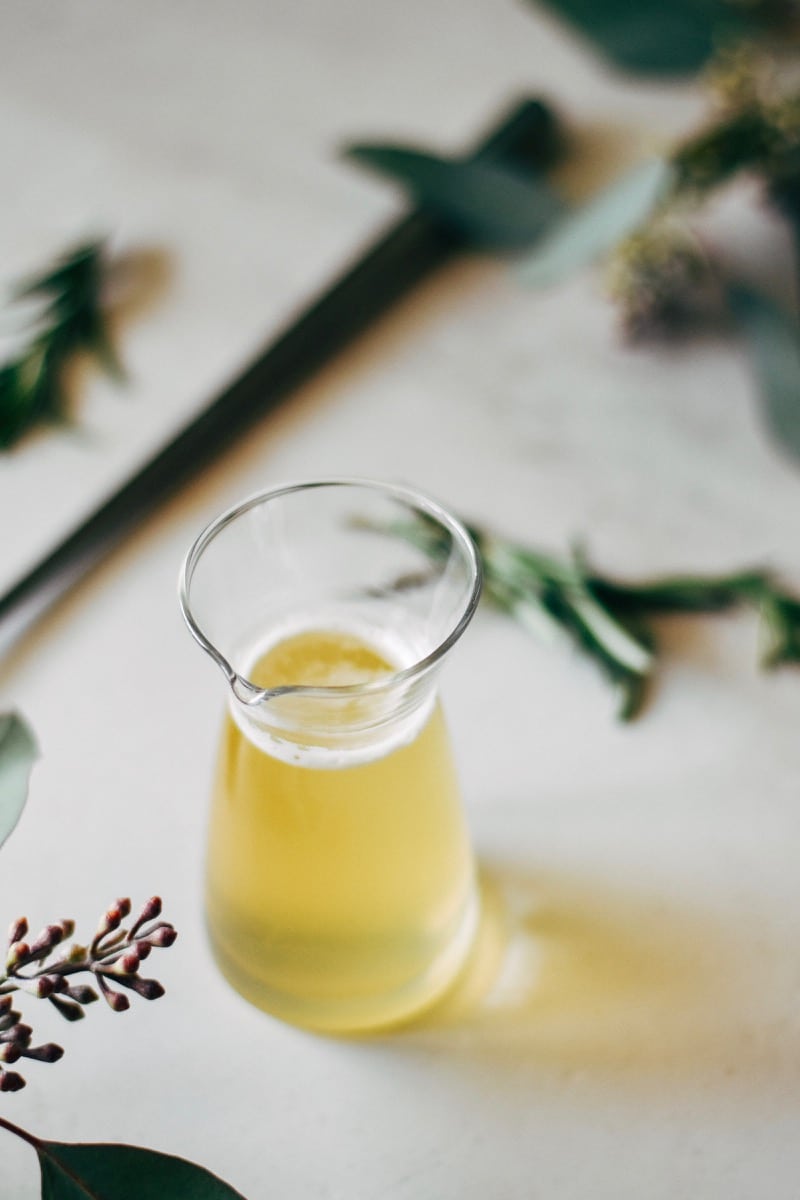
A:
(343, 898)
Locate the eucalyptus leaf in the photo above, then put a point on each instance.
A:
(587, 233)
(773, 338)
(18, 752)
(491, 206)
(74, 1171)
(654, 37)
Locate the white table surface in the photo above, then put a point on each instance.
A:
(640, 1034)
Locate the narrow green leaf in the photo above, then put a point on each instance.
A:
(630, 675)
(616, 640)
(680, 594)
(654, 37)
(773, 338)
(491, 206)
(585, 234)
(113, 1172)
(17, 754)
(780, 626)
(32, 384)
(632, 689)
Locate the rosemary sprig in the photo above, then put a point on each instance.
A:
(608, 619)
(32, 382)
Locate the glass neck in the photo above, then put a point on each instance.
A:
(338, 726)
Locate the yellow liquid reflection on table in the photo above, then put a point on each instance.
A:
(342, 897)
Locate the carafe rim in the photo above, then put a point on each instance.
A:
(249, 693)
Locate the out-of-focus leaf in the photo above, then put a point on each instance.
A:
(654, 37)
(113, 1172)
(72, 320)
(17, 754)
(585, 234)
(780, 624)
(492, 206)
(680, 593)
(773, 338)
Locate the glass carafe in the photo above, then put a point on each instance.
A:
(341, 888)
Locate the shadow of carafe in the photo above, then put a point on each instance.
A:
(580, 974)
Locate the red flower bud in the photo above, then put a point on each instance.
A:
(9, 1018)
(111, 919)
(17, 953)
(149, 912)
(80, 993)
(49, 937)
(69, 1010)
(49, 1053)
(10, 1081)
(17, 930)
(150, 989)
(163, 936)
(115, 1000)
(45, 985)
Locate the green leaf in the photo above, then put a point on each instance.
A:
(609, 632)
(114, 1172)
(680, 594)
(17, 754)
(490, 205)
(585, 234)
(745, 140)
(608, 620)
(780, 623)
(773, 338)
(654, 37)
(32, 384)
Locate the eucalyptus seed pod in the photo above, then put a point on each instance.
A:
(17, 930)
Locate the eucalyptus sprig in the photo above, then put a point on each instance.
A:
(112, 958)
(610, 620)
(653, 38)
(80, 1170)
(70, 321)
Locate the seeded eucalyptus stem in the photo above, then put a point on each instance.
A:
(113, 959)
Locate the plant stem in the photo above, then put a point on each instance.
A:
(21, 1133)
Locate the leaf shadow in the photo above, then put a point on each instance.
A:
(597, 153)
(138, 280)
(703, 640)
